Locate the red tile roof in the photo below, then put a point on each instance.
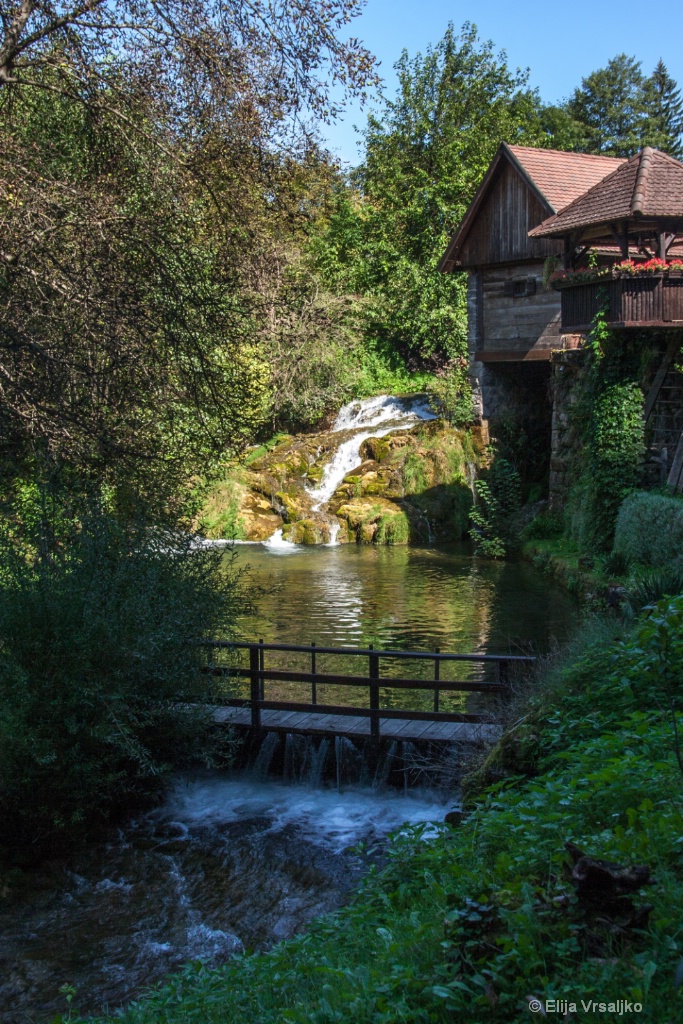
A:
(648, 185)
(563, 177)
(555, 177)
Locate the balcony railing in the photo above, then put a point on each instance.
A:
(652, 300)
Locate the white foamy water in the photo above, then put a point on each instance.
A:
(276, 542)
(371, 417)
(323, 817)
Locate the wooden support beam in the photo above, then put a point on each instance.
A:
(676, 475)
(655, 388)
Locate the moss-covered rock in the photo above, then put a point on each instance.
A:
(307, 531)
(375, 449)
(375, 521)
(409, 486)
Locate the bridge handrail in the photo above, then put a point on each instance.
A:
(258, 674)
(367, 651)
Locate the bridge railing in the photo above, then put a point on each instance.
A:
(372, 680)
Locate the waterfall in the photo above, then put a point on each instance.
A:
(344, 763)
(265, 756)
(364, 418)
(276, 542)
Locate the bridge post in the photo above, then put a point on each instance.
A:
(374, 694)
(261, 665)
(437, 666)
(255, 681)
(504, 676)
(314, 689)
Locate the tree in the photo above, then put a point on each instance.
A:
(610, 103)
(664, 110)
(146, 151)
(425, 154)
(193, 50)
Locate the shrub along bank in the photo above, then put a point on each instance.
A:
(474, 923)
(97, 641)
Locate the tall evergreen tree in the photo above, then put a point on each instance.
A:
(664, 110)
(611, 104)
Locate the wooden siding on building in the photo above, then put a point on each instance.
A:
(655, 301)
(499, 233)
(509, 328)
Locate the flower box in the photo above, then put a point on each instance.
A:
(626, 269)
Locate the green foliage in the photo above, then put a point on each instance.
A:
(665, 111)
(393, 529)
(381, 369)
(499, 498)
(649, 586)
(544, 526)
(414, 475)
(621, 110)
(425, 155)
(452, 393)
(219, 517)
(97, 642)
(615, 563)
(608, 418)
(470, 923)
(649, 529)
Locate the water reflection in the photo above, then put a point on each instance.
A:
(402, 598)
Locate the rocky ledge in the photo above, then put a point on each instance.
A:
(410, 486)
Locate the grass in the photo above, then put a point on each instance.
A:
(469, 924)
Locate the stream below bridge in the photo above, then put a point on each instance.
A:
(233, 863)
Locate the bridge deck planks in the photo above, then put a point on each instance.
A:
(313, 724)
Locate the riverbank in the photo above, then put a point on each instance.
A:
(477, 922)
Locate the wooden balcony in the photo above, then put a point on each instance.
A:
(652, 300)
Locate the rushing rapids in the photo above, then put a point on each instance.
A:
(227, 863)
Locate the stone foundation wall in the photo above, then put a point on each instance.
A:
(568, 369)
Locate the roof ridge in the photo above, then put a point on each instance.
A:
(580, 199)
(524, 171)
(566, 152)
(640, 187)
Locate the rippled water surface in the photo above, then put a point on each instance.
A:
(397, 598)
(234, 863)
(402, 597)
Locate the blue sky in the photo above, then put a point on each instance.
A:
(560, 42)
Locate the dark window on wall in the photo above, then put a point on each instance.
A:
(518, 287)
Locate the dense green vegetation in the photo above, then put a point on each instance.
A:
(97, 643)
(184, 272)
(473, 923)
(649, 529)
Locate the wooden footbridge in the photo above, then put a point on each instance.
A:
(375, 714)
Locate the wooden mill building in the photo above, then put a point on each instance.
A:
(533, 204)
(514, 322)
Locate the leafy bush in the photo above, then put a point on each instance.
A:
(615, 457)
(545, 526)
(651, 585)
(499, 499)
(452, 393)
(616, 563)
(97, 642)
(649, 529)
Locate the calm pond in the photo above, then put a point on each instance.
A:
(229, 863)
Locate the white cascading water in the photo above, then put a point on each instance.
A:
(364, 418)
(276, 542)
